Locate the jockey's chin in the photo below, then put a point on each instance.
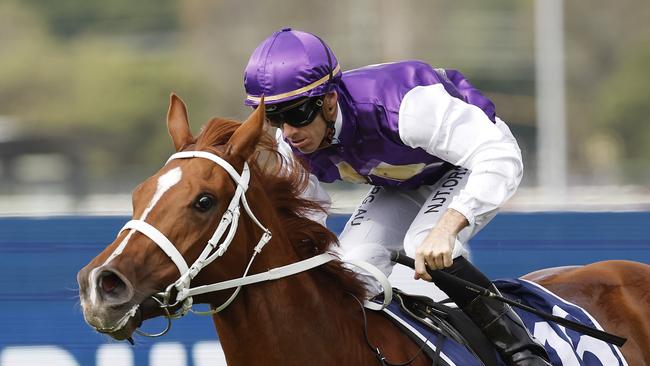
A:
(305, 146)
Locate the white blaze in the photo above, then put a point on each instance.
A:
(165, 182)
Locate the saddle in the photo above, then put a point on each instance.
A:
(445, 322)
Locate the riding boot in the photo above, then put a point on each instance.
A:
(507, 332)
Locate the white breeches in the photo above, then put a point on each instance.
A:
(390, 219)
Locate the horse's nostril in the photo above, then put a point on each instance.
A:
(111, 283)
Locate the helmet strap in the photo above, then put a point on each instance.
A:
(330, 131)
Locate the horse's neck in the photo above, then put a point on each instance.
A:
(283, 318)
(281, 321)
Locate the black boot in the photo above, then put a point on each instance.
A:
(507, 332)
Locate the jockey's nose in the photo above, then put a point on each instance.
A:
(113, 288)
(288, 131)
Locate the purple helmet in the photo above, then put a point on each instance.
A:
(288, 65)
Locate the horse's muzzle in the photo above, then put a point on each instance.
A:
(109, 302)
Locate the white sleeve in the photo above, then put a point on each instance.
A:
(313, 191)
(461, 134)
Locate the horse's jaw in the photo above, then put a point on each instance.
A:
(120, 322)
(117, 322)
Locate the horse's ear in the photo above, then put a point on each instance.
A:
(243, 141)
(178, 124)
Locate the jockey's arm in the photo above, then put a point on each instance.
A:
(463, 135)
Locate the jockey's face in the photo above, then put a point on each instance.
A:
(309, 138)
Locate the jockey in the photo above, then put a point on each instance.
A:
(439, 160)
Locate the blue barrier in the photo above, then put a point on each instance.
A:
(39, 259)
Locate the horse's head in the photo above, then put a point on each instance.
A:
(175, 214)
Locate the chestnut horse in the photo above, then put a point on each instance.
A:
(308, 318)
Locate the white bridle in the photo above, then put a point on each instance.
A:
(216, 247)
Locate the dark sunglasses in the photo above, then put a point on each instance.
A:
(299, 114)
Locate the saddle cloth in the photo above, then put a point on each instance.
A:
(565, 347)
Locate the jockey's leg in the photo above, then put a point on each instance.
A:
(377, 227)
(497, 320)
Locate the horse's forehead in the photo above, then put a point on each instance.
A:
(152, 189)
(199, 168)
(170, 178)
(194, 172)
(188, 174)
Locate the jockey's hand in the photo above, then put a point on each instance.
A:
(436, 250)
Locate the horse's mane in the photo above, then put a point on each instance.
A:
(283, 182)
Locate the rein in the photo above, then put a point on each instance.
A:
(217, 246)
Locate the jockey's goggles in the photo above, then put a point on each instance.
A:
(298, 114)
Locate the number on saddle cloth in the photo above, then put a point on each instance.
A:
(575, 347)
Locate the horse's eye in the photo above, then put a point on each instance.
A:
(204, 203)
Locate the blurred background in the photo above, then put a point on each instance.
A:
(84, 88)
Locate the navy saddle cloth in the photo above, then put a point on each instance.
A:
(450, 338)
